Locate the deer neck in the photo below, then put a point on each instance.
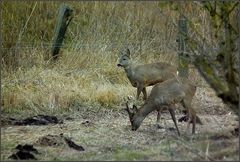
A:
(129, 70)
(141, 114)
(146, 109)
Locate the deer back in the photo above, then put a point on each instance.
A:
(150, 74)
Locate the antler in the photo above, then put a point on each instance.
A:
(135, 110)
(127, 108)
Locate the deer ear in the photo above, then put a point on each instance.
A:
(120, 53)
(135, 110)
(128, 52)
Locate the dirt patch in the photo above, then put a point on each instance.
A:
(50, 140)
(25, 152)
(206, 102)
(73, 145)
(219, 137)
(7, 121)
(107, 135)
(35, 120)
(58, 140)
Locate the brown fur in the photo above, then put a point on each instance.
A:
(166, 95)
(142, 76)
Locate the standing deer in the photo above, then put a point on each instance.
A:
(166, 95)
(142, 76)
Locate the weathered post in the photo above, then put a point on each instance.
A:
(183, 56)
(65, 15)
(238, 46)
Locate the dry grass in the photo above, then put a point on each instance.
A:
(61, 85)
(78, 77)
(86, 73)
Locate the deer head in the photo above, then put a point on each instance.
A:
(124, 58)
(135, 118)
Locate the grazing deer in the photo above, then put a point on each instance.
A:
(142, 76)
(166, 95)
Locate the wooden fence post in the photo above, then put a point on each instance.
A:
(238, 47)
(65, 15)
(183, 56)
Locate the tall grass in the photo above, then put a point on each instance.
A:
(86, 71)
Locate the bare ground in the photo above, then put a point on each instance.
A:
(107, 135)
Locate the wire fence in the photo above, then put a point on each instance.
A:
(108, 45)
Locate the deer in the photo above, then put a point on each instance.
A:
(166, 95)
(145, 75)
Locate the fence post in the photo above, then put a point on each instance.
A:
(183, 56)
(65, 15)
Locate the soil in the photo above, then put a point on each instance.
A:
(35, 120)
(25, 152)
(106, 135)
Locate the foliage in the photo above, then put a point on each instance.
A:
(220, 68)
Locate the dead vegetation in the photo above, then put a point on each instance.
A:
(109, 137)
(87, 90)
(105, 134)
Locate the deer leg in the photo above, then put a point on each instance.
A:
(192, 115)
(139, 90)
(188, 114)
(194, 124)
(144, 93)
(172, 112)
(193, 119)
(189, 122)
(158, 119)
